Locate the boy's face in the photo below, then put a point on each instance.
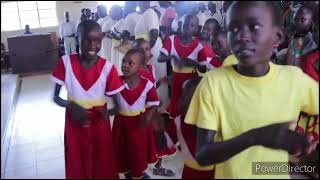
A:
(91, 44)
(208, 30)
(131, 65)
(191, 29)
(302, 21)
(251, 33)
(220, 45)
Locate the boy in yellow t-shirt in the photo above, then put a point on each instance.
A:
(251, 105)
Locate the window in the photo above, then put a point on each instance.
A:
(15, 15)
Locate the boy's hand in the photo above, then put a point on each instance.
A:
(146, 117)
(202, 68)
(279, 136)
(104, 112)
(78, 113)
(144, 120)
(178, 62)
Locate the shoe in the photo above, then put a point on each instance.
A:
(127, 175)
(146, 176)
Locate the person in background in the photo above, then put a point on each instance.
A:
(225, 6)
(82, 10)
(166, 20)
(27, 29)
(87, 12)
(103, 15)
(211, 27)
(180, 8)
(130, 21)
(215, 12)
(203, 14)
(5, 59)
(95, 16)
(220, 46)
(147, 28)
(289, 16)
(106, 30)
(67, 32)
(82, 18)
(302, 42)
(116, 31)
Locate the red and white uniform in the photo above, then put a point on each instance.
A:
(152, 141)
(196, 52)
(151, 75)
(186, 135)
(212, 58)
(87, 148)
(129, 136)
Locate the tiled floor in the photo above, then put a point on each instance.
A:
(36, 149)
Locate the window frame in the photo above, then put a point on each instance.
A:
(38, 18)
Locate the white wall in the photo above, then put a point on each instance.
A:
(61, 6)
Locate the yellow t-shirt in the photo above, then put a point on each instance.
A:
(230, 60)
(231, 104)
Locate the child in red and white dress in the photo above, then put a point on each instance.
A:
(211, 27)
(156, 136)
(88, 78)
(136, 105)
(187, 137)
(186, 55)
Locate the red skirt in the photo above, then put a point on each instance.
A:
(152, 144)
(89, 150)
(130, 140)
(176, 91)
(190, 173)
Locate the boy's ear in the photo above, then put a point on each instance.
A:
(279, 37)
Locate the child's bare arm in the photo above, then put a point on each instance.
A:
(154, 34)
(163, 58)
(209, 152)
(57, 99)
(115, 108)
(146, 117)
(77, 111)
(190, 63)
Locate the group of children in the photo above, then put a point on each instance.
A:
(222, 118)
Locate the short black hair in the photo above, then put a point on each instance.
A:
(138, 42)
(213, 21)
(187, 20)
(85, 27)
(308, 9)
(136, 51)
(272, 5)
